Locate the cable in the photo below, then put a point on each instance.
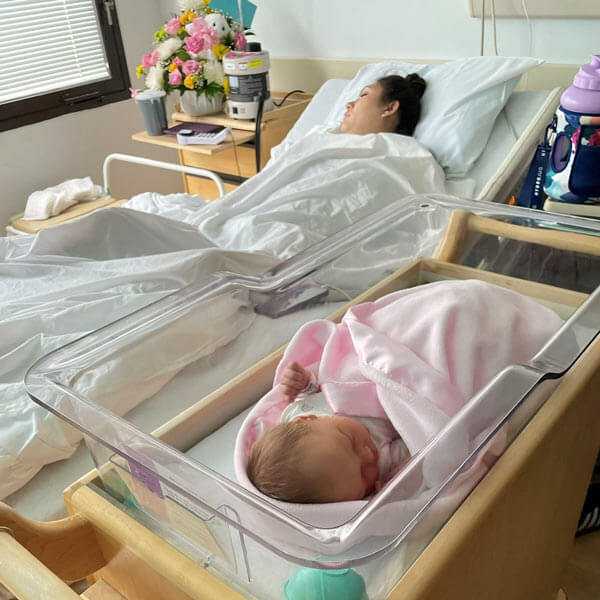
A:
(494, 26)
(482, 34)
(259, 113)
(529, 26)
(287, 96)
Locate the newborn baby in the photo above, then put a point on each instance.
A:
(353, 401)
(322, 457)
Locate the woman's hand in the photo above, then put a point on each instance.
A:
(294, 380)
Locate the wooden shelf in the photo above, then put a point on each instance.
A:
(292, 109)
(170, 141)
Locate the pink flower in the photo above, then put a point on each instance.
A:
(175, 77)
(177, 61)
(198, 26)
(194, 44)
(191, 67)
(239, 40)
(595, 139)
(149, 60)
(173, 26)
(576, 136)
(134, 92)
(202, 36)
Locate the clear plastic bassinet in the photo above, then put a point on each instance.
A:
(178, 482)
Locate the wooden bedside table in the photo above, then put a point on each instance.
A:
(233, 160)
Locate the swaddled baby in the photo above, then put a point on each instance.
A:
(353, 401)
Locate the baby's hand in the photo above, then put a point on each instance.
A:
(293, 380)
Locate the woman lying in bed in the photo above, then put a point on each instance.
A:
(333, 176)
(353, 401)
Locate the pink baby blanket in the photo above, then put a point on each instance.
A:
(415, 357)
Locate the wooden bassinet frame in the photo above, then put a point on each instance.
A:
(510, 538)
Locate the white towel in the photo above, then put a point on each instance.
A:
(53, 200)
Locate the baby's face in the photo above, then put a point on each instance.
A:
(340, 451)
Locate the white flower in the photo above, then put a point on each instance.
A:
(169, 47)
(154, 78)
(190, 4)
(213, 71)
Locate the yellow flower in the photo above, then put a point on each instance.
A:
(206, 2)
(190, 81)
(139, 71)
(187, 17)
(220, 50)
(226, 86)
(172, 67)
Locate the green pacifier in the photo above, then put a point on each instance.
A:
(317, 584)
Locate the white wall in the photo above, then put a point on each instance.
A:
(411, 29)
(74, 145)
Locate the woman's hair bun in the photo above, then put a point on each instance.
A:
(417, 83)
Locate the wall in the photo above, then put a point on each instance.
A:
(411, 28)
(74, 145)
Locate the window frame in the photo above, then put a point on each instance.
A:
(90, 95)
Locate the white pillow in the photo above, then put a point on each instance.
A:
(461, 102)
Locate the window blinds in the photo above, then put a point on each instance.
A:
(47, 46)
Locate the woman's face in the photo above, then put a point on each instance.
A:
(368, 114)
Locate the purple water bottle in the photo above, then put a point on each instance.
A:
(573, 173)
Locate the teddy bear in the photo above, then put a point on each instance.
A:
(219, 24)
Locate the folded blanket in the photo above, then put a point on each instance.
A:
(53, 200)
(415, 357)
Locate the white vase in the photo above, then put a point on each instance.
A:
(197, 105)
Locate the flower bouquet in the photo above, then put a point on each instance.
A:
(188, 54)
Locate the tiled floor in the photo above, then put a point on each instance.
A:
(582, 576)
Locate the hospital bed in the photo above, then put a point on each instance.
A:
(493, 177)
(149, 519)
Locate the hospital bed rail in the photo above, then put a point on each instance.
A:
(139, 160)
(82, 209)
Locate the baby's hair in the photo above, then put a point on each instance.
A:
(274, 466)
(408, 91)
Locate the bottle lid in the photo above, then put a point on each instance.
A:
(253, 47)
(588, 77)
(584, 95)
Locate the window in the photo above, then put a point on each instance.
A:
(58, 56)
